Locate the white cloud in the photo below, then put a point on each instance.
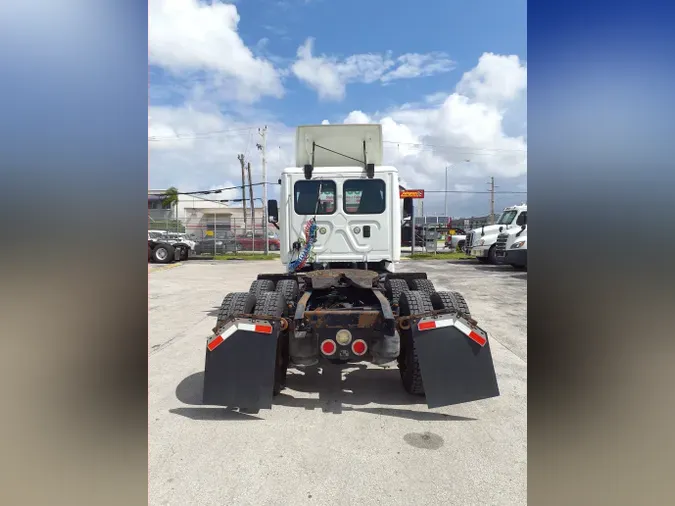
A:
(495, 80)
(329, 76)
(186, 36)
(419, 65)
(444, 129)
(197, 150)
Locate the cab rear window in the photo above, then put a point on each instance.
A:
(364, 196)
(314, 197)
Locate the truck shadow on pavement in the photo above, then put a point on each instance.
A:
(360, 387)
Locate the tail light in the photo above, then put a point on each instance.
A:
(359, 347)
(328, 347)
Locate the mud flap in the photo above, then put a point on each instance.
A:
(455, 368)
(240, 364)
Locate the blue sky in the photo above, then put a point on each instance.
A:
(450, 74)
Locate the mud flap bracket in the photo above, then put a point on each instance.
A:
(240, 364)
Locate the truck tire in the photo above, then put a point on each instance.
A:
(394, 288)
(288, 288)
(273, 304)
(235, 304)
(411, 376)
(422, 285)
(184, 254)
(163, 253)
(260, 286)
(492, 255)
(452, 301)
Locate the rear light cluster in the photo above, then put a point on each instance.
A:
(343, 338)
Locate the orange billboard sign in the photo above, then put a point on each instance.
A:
(412, 194)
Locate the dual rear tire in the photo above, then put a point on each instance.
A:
(424, 299)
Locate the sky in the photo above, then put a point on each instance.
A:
(447, 82)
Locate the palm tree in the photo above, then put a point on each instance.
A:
(171, 197)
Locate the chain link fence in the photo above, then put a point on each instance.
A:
(223, 230)
(212, 234)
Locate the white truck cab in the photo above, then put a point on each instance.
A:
(511, 247)
(481, 242)
(516, 251)
(357, 216)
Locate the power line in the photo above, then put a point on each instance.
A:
(154, 138)
(421, 144)
(470, 191)
(486, 151)
(238, 187)
(205, 192)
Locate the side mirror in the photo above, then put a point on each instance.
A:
(272, 211)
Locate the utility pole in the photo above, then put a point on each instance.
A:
(262, 147)
(446, 192)
(250, 190)
(492, 201)
(243, 188)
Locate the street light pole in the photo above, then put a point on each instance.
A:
(446, 191)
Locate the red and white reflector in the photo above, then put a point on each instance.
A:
(231, 328)
(359, 347)
(430, 324)
(328, 347)
(215, 342)
(259, 328)
(434, 324)
(470, 333)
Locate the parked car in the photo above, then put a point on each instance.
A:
(222, 243)
(248, 243)
(455, 239)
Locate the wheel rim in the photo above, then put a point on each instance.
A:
(161, 253)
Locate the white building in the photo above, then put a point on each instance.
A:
(203, 215)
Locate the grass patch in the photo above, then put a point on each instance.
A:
(246, 256)
(444, 255)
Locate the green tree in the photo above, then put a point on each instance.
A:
(171, 197)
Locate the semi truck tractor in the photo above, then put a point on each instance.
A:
(341, 299)
(482, 242)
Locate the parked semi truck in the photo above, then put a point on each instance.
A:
(164, 249)
(341, 299)
(482, 242)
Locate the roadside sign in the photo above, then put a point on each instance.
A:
(412, 194)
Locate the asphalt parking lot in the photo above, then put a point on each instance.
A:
(347, 436)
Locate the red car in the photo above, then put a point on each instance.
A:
(248, 243)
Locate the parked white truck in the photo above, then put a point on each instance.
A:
(481, 242)
(511, 247)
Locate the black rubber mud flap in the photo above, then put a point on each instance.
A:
(454, 368)
(239, 372)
